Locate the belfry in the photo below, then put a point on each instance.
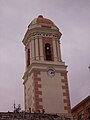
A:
(45, 77)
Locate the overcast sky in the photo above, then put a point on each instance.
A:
(73, 19)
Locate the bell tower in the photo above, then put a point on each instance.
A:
(45, 77)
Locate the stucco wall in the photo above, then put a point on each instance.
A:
(52, 93)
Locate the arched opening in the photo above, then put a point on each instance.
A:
(28, 57)
(48, 51)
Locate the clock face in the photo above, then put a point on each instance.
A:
(51, 72)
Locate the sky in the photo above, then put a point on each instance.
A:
(72, 18)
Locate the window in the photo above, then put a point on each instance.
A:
(88, 113)
(28, 57)
(81, 115)
(48, 51)
(88, 110)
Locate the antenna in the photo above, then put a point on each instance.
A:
(14, 106)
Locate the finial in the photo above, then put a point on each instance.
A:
(40, 16)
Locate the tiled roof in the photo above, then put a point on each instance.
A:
(40, 19)
(81, 103)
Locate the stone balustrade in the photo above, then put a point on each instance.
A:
(32, 116)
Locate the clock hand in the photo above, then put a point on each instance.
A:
(52, 72)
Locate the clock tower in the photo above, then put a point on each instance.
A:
(45, 77)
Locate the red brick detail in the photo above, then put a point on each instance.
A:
(47, 40)
(66, 92)
(64, 75)
(66, 108)
(37, 79)
(35, 75)
(40, 107)
(37, 91)
(38, 99)
(64, 81)
(36, 72)
(64, 87)
(65, 101)
(37, 85)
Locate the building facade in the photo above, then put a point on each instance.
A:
(45, 77)
(82, 110)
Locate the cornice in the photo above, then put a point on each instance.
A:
(58, 67)
(41, 32)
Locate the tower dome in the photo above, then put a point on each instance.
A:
(41, 22)
(41, 26)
